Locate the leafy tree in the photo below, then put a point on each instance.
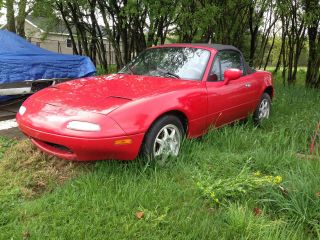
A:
(16, 22)
(312, 8)
(267, 31)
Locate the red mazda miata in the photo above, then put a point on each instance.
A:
(164, 94)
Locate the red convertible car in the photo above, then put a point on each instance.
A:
(166, 93)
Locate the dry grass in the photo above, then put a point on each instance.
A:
(32, 172)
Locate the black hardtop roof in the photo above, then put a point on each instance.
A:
(221, 47)
(218, 47)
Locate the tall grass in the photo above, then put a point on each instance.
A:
(101, 202)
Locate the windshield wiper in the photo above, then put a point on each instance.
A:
(166, 72)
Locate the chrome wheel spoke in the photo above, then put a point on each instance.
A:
(160, 141)
(265, 105)
(166, 134)
(172, 134)
(264, 109)
(167, 142)
(260, 115)
(159, 152)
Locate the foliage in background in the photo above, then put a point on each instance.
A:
(284, 34)
(17, 11)
(102, 71)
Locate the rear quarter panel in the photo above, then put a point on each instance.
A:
(267, 81)
(263, 81)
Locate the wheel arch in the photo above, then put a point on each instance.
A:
(269, 90)
(179, 114)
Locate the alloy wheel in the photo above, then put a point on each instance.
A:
(167, 142)
(264, 109)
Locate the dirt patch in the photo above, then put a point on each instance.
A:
(12, 133)
(308, 156)
(32, 172)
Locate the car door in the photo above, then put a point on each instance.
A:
(227, 102)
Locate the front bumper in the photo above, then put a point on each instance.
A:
(84, 149)
(27, 86)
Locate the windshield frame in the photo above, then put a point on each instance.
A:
(128, 70)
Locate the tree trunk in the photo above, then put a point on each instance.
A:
(299, 47)
(111, 36)
(64, 18)
(284, 63)
(290, 59)
(313, 75)
(81, 31)
(254, 24)
(102, 51)
(312, 78)
(280, 55)
(93, 28)
(265, 39)
(21, 18)
(152, 32)
(253, 36)
(270, 50)
(11, 23)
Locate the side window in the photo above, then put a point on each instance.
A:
(230, 59)
(215, 73)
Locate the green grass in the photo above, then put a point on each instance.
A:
(4, 145)
(100, 200)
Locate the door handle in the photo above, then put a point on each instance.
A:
(248, 85)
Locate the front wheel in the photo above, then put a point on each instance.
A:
(164, 138)
(263, 109)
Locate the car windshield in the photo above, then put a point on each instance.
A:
(173, 62)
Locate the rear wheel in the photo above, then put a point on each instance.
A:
(164, 138)
(263, 110)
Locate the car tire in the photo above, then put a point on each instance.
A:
(263, 109)
(163, 139)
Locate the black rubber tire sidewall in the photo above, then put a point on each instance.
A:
(148, 142)
(256, 113)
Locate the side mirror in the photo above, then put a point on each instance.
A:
(232, 74)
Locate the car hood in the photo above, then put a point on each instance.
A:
(104, 94)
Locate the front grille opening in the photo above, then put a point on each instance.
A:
(60, 147)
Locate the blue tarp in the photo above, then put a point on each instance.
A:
(21, 60)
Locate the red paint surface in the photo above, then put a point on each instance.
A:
(125, 106)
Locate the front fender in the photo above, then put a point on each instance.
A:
(138, 115)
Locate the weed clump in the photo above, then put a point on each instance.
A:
(220, 191)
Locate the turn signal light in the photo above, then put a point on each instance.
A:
(123, 141)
